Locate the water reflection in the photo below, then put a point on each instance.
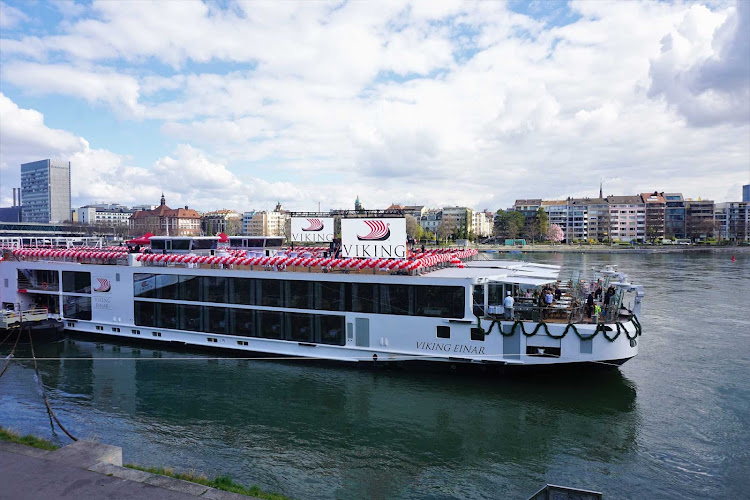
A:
(320, 431)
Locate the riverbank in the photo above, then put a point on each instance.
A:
(84, 459)
(604, 249)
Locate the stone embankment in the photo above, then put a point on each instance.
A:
(86, 469)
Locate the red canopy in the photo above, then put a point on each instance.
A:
(141, 240)
(223, 238)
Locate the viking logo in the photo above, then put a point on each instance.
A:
(379, 231)
(315, 225)
(104, 285)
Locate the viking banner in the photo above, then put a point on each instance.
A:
(378, 238)
(312, 230)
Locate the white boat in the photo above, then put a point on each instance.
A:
(437, 306)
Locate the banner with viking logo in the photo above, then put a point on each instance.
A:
(312, 229)
(379, 238)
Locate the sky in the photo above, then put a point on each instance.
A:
(234, 104)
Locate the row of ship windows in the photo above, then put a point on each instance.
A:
(48, 280)
(297, 327)
(406, 300)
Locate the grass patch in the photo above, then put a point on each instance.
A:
(28, 440)
(224, 483)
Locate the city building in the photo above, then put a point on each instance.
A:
(482, 224)
(224, 221)
(415, 211)
(45, 191)
(103, 214)
(577, 227)
(627, 218)
(746, 192)
(700, 222)
(144, 207)
(656, 207)
(12, 213)
(674, 215)
(164, 221)
(431, 219)
(733, 220)
(270, 223)
(598, 214)
(557, 211)
(247, 220)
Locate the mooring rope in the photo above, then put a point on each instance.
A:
(12, 351)
(44, 393)
(7, 337)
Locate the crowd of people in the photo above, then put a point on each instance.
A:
(596, 305)
(598, 302)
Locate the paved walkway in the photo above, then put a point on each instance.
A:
(30, 473)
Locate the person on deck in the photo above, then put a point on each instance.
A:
(589, 305)
(558, 293)
(508, 306)
(608, 297)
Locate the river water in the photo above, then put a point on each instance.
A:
(671, 423)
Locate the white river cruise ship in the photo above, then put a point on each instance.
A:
(252, 294)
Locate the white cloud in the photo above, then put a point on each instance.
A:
(437, 103)
(10, 16)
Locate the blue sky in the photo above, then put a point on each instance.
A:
(237, 104)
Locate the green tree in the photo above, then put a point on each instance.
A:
(508, 224)
(413, 229)
(540, 226)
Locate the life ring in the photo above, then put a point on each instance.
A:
(44, 285)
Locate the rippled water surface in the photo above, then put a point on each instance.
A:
(671, 423)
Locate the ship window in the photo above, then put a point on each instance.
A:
(167, 286)
(215, 289)
(166, 315)
(145, 313)
(243, 323)
(190, 318)
(299, 293)
(157, 244)
(365, 297)
(242, 291)
(117, 276)
(443, 332)
(440, 301)
(76, 307)
(300, 327)
(476, 334)
(269, 324)
(330, 330)
(397, 299)
(180, 244)
(329, 296)
(144, 285)
(190, 288)
(269, 292)
(39, 279)
(216, 320)
(204, 244)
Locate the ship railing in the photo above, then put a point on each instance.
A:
(576, 314)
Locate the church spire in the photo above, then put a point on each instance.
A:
(163, 200)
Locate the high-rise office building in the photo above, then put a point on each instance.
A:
(45, 191)
(746, 192)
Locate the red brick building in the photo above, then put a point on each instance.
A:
(165, 221)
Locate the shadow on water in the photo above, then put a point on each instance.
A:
(309, 429)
